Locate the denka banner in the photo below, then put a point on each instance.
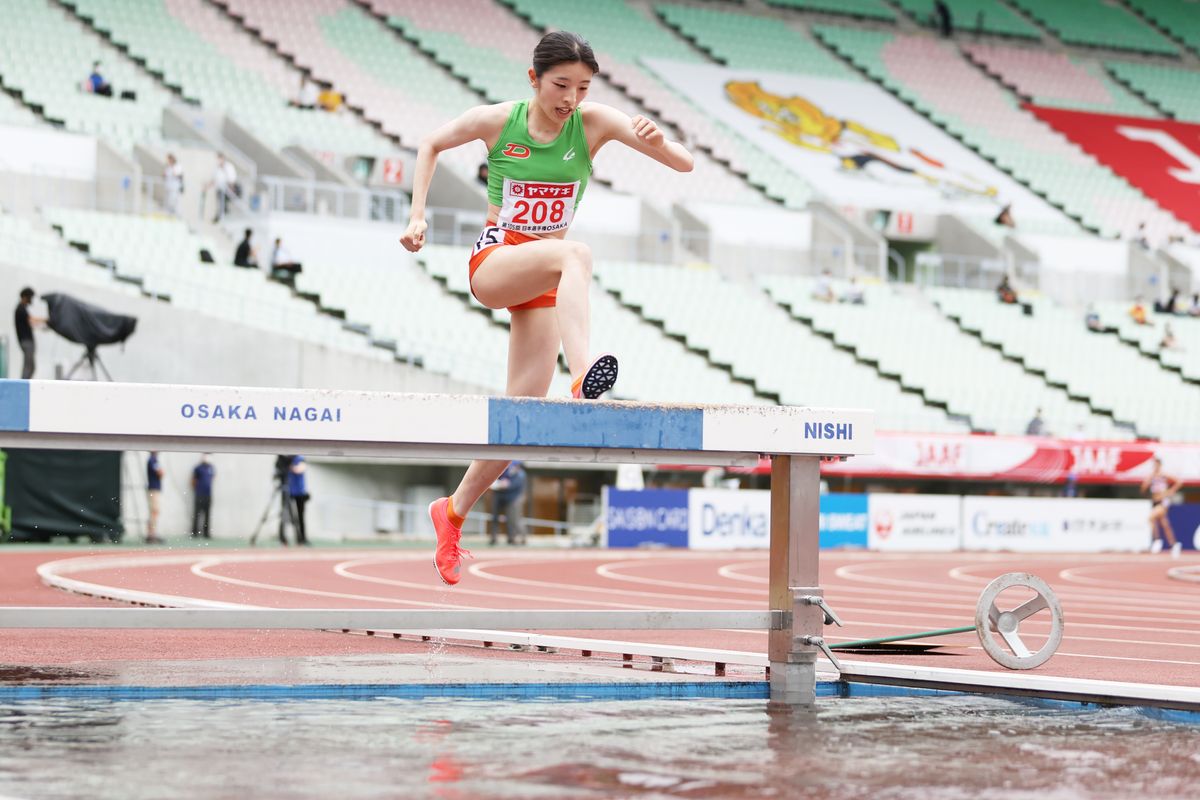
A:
(1055, 525)
(914, 523)
(1159, 156)
(646, 517)
(726, 519)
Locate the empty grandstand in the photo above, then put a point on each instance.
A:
(866, 174)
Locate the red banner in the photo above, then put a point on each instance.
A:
(1159, 156)
(1024, 459)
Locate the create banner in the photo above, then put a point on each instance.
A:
(1159, 156)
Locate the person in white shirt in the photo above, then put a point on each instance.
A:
(224, 182)
(172, 185)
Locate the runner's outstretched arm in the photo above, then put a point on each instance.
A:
(480, 122)
(638, 133)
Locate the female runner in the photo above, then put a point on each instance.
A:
(540, 155)
(1161, 487)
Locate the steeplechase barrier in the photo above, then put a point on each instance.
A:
(123, 416)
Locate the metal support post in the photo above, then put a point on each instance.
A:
(795, 550)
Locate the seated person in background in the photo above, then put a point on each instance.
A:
(853, 293)
(96, 82)
(329, 99)
(246, 255)
(1138, 312)
(1168, 339)
(482, 174)
(823, 289)
(1194, 311)
(1005, 217)
(1005, 293)
(282, 265)
(1092, 319)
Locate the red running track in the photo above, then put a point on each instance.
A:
(1125, 619)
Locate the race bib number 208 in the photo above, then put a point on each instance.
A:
(537, 206)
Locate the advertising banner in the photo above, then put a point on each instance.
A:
(863, 147)
(1055, 525)
(637, 518)
(1025, 459)
(1185, 521)
(1159, 156)
(915, 523)
(724, 519)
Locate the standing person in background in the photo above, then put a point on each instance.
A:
(1036, 426)
(224, 183)
(202, 485)
(508, 499)
(154, 476)
(945, 21)
(24, 323)
(172, 185)
(1160, 487)
(297, 487)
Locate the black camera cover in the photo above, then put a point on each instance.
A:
(87, 324)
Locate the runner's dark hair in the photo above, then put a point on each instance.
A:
(563, 47)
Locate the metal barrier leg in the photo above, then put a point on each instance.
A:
(795, 549)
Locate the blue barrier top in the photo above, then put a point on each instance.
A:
(93, 415)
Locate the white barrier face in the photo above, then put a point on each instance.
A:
(1055, 525)
(914, 523)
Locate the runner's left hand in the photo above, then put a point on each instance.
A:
(647, 131)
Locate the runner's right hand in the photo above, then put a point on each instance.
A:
(414, 235)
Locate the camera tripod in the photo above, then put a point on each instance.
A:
(285, 508)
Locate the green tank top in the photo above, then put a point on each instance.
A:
(534, 183)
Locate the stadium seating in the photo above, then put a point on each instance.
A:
(622, 36)
(47, 56)
(1095, 24)
(933, 77)
(163, 258)
(1176, 16)
(907, 337)
(390, 79)
(653, 367)
(742, 40)
(39, 248)
(800, 366)
(494, 60)
(199, 49)
(866, 9)
(1174, 89)
(988, 16)
(1057, 80)
(1109, 374)
(1183, 357)
(13, 113)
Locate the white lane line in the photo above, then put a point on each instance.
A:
(610, 571)
(481, 571)
(345, 569)
(200, 570)
(731, 571)
(1177, 603)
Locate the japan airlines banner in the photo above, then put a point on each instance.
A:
(1159, 156)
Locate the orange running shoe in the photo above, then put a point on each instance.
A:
(448, 556)
(598, 379)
